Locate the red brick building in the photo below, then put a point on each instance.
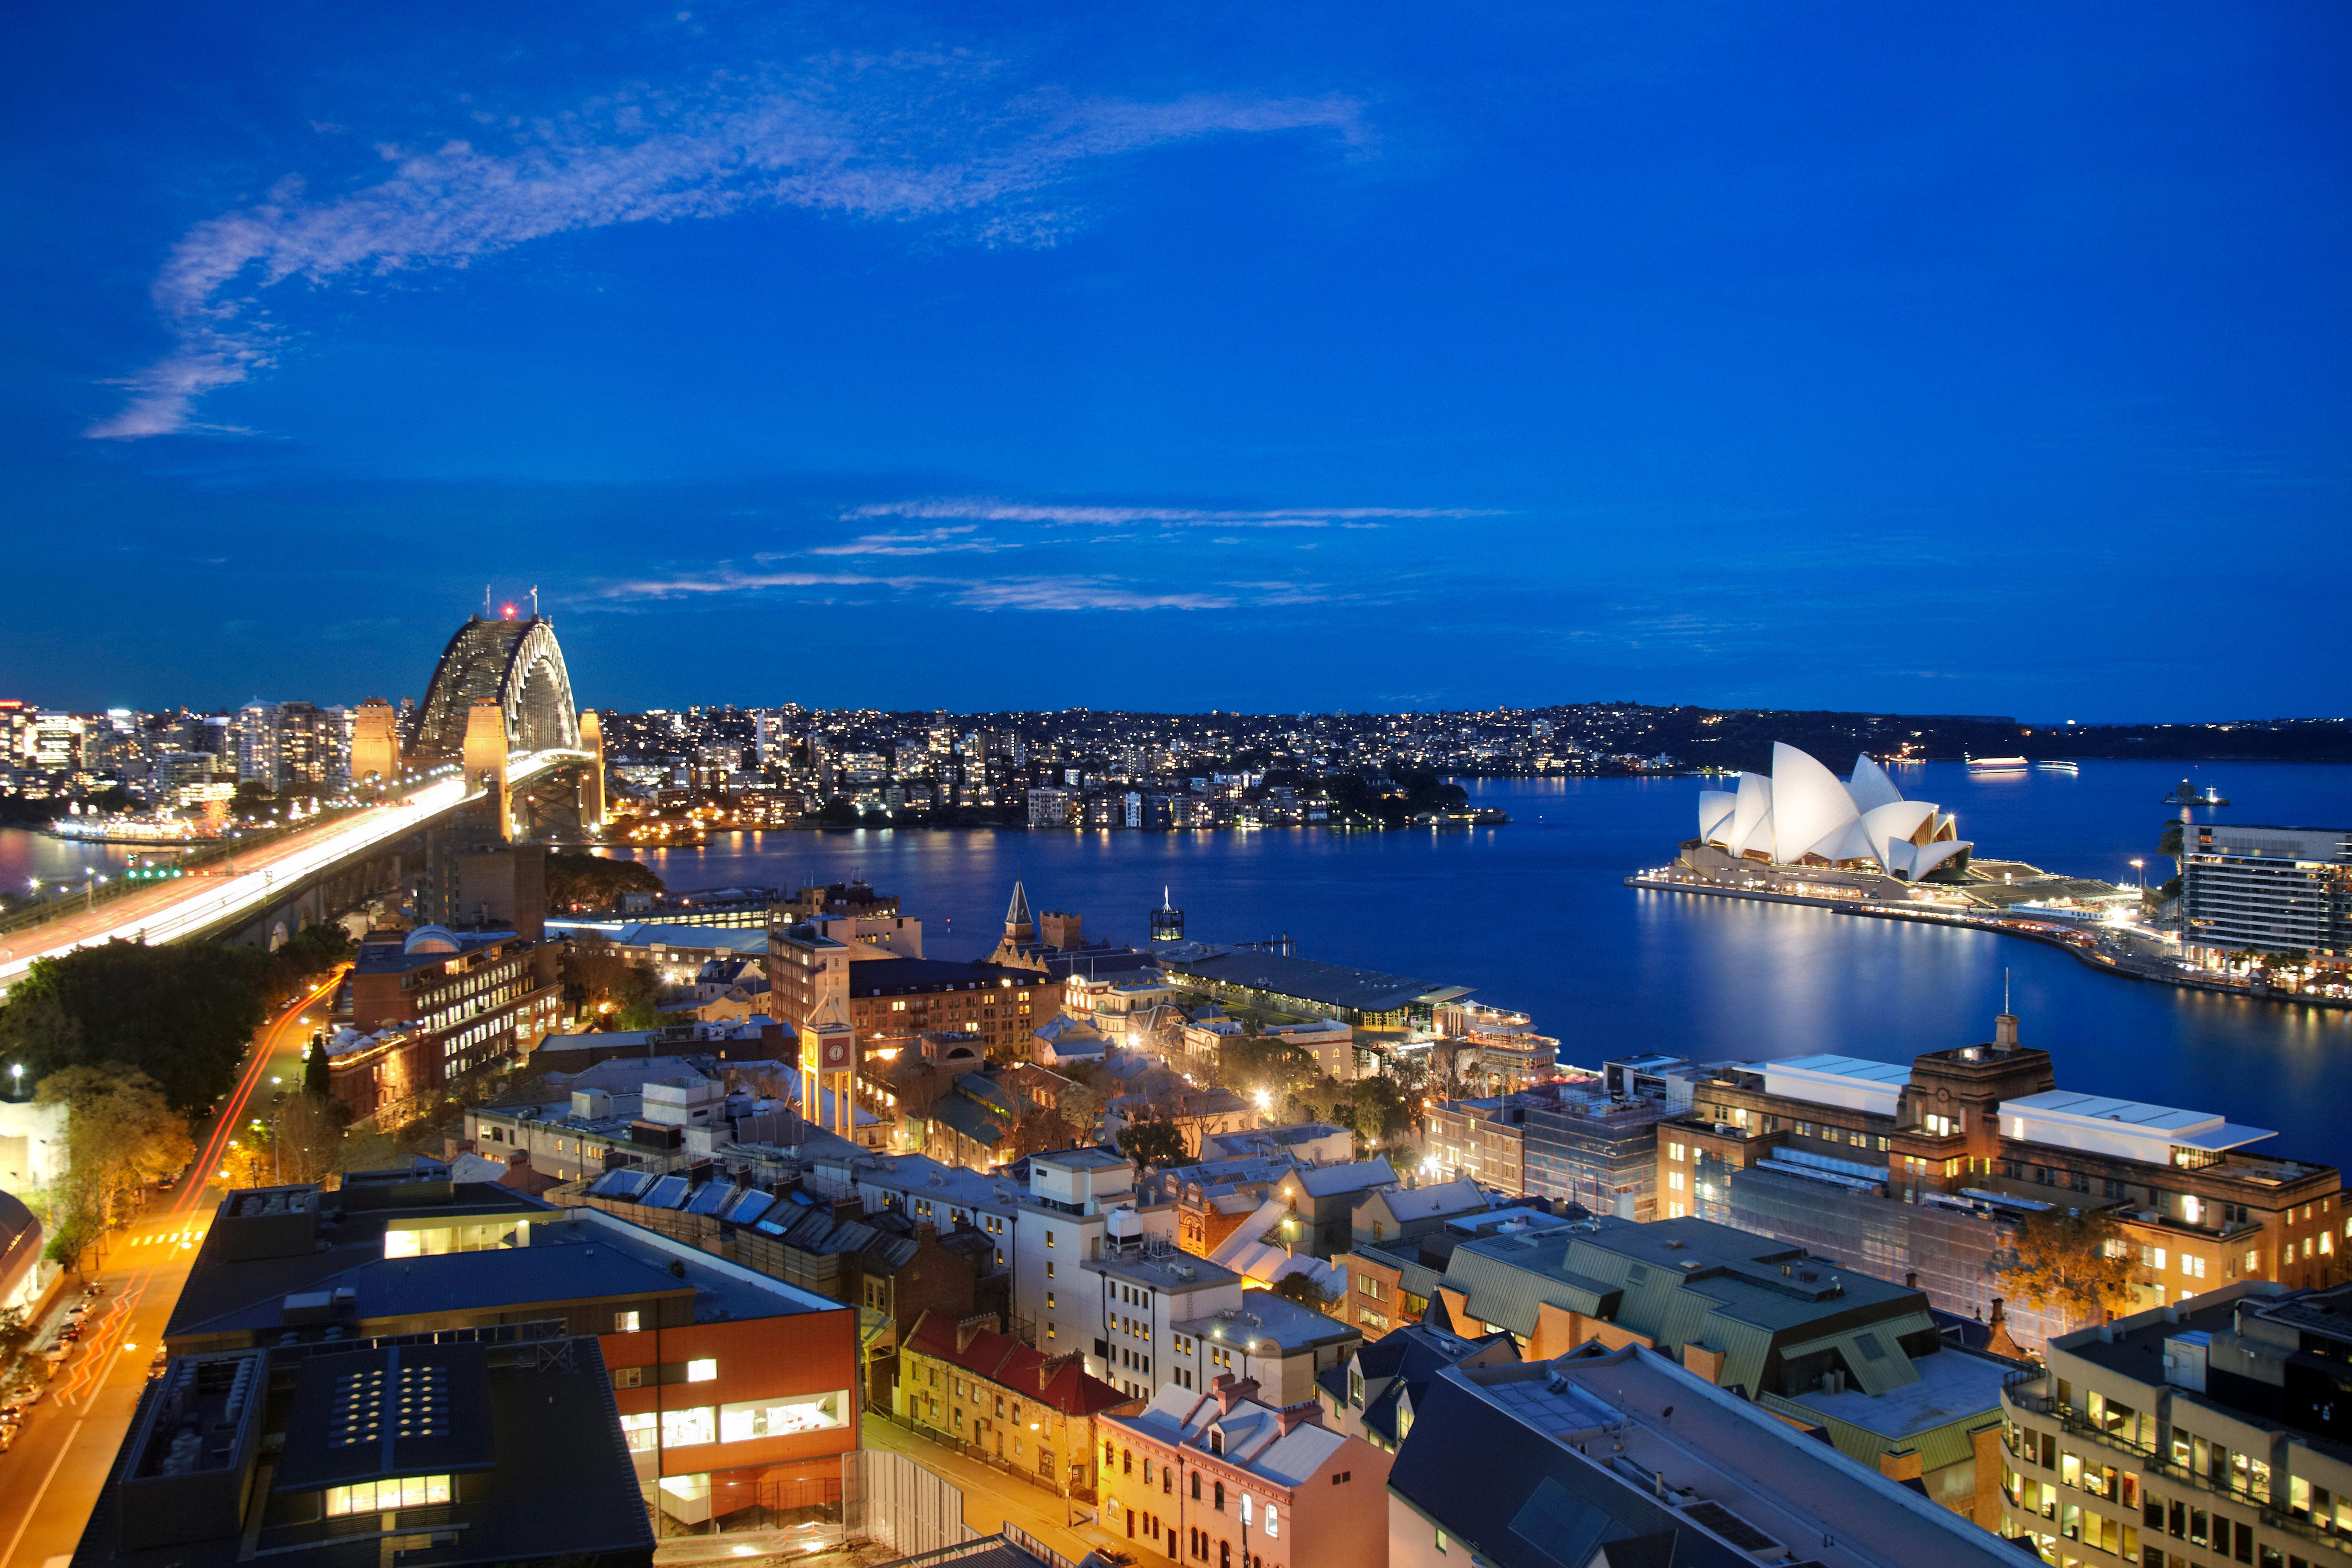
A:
(421, 1008)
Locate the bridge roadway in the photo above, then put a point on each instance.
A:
(171, 911)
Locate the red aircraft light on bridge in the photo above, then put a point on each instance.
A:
(507, 611)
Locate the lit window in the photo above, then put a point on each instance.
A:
(781, 1418)
(687, 1428)
(637, 1431)
(378, 1497)
(703, 1371)
(625, 1322)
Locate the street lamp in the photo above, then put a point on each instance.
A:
(2141, 866)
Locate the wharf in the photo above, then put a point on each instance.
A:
(2098, 951)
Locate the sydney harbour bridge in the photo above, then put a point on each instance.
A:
(499, 755)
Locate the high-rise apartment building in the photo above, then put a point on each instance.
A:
(2267, 890)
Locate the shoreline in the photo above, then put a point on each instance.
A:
(2082, 946)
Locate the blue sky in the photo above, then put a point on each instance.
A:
(1261, 357)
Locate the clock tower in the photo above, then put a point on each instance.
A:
(829, 1065)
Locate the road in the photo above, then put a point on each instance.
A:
(170, 910)
(49, 1480)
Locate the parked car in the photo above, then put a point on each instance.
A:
(155, 1367)
(7, 1436)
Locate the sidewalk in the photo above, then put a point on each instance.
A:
(991, 1497)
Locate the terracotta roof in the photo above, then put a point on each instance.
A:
(1061, 1382)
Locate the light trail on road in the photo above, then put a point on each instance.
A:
(202, 908)
(88, 1379)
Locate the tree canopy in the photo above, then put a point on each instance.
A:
(121, 1136)
(183, 1015)
(1154, 1143)
(594, 881)
(2076, 1262)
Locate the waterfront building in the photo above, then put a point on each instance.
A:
(2217, 1431)
(1802, 815)
(1014, 1406)
(737, 1393)
(473, 1448)
(1308, 989)
(1607, 1458)
(2253, 889)
(1212, 1474)
(1921, 1172)
(1829, 1348)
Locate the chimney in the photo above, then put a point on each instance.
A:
(2004, 1032)
(1232, 1391)
(1307, 1413)
(967, 1329)
(925, 1234)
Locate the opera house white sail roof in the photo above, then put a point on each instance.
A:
(1802, 815)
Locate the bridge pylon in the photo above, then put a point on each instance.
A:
(486, 759)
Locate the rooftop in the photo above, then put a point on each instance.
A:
(1265, 1317)
(244, 1286)
(1554, 1463)
(2063, 1109)
(1338, 986)
(887, 976)
(519, 1440)
(1250, 1435)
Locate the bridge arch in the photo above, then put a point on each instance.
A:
(516, 663)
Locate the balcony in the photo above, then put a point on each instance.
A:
(2073, 1424)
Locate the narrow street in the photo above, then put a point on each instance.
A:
(991, 1497)
(50, 1478)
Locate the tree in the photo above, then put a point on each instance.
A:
(121, 1138)
(182, 1014)
(1379, 1112)
(1153, 1143)
(308, 1129)
(1080, 1106)
(317, 1077)
(2076, 1261)
(1040, 1129)
(1300, 1287)
(595, 881)
(618, 989)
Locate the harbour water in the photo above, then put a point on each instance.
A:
(1535, 915)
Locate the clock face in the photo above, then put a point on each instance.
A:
(836, 1053)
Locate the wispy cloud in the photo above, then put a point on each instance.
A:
(1058, 593)
(900, 138)
(710, 585)
(928, 541)
(985, 509)
(1083, 594)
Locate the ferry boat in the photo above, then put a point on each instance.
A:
(2060, 767)
(1996, 764)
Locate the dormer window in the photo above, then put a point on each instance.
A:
(1217, 1445)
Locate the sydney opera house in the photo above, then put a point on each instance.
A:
(1804, 816)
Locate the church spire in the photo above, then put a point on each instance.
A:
(1018, 927)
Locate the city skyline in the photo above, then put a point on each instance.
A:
(1239, 361)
